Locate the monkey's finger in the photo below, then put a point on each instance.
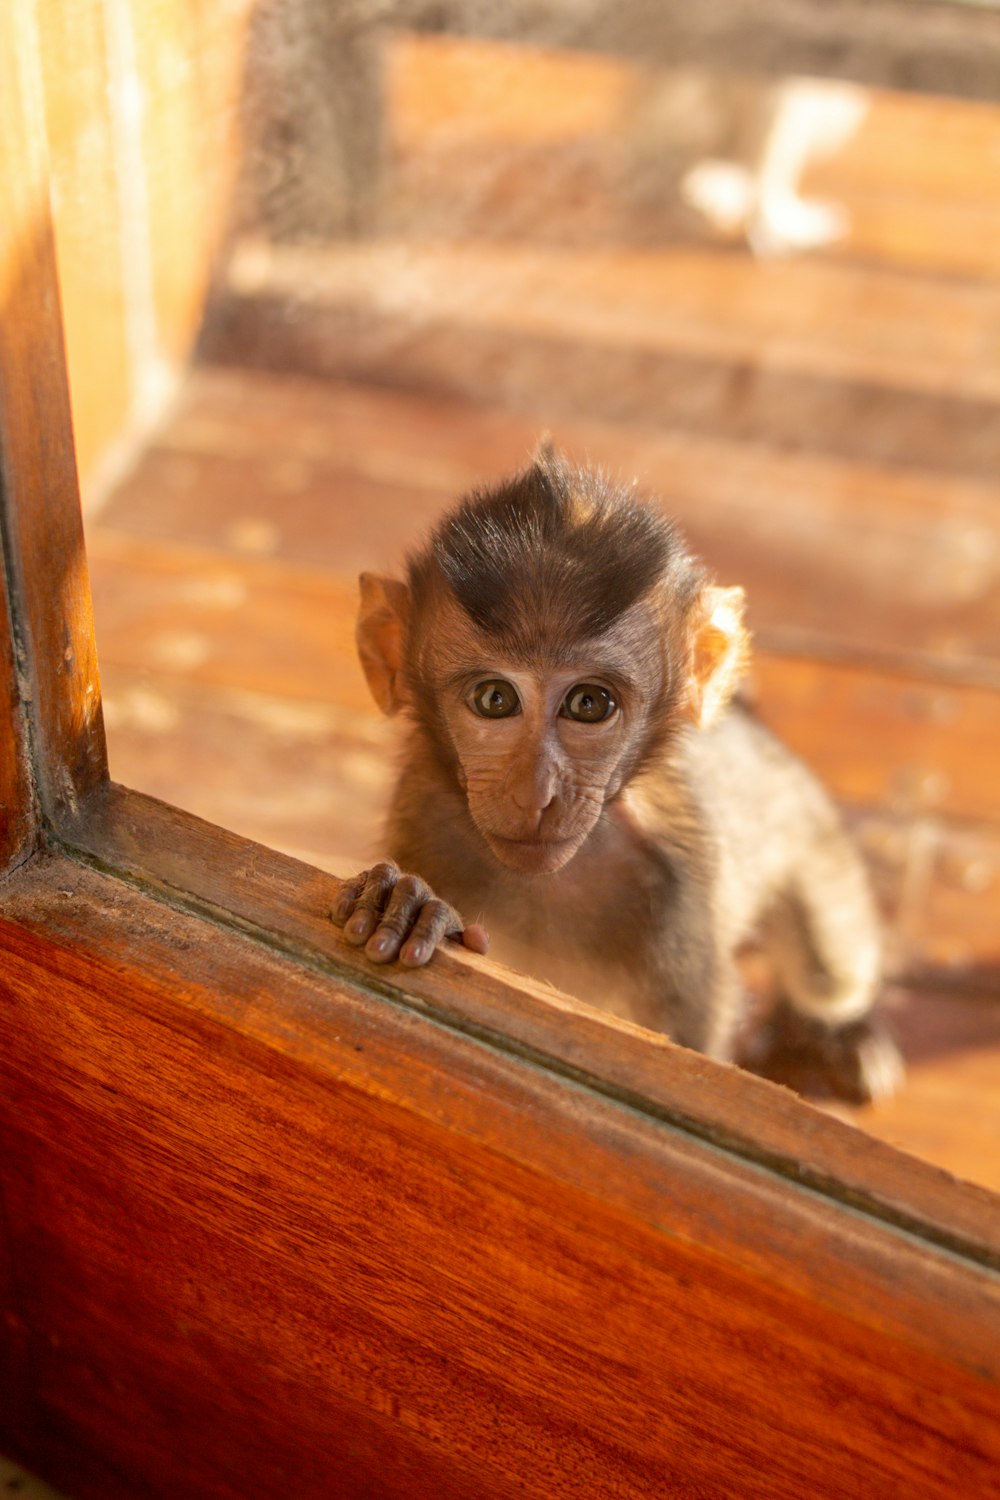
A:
(350, 890)
(376, 893)
(409, 898)
(475, 938)
(436, 920)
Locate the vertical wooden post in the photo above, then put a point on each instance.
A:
(46, 569)
(17, 813)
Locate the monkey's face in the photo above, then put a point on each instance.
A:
(542, 748)
(542, 728)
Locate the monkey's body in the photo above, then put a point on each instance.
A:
(573, 776)
(674, 878)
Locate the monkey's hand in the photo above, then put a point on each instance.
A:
(393, 915)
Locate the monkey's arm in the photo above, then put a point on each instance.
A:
(396, 915)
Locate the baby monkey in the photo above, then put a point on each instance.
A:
(575, 770)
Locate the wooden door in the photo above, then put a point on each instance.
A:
(272, 1219)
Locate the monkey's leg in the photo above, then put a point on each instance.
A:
(823, 939)
(696, 996)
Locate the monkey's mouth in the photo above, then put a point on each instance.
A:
(533, 856)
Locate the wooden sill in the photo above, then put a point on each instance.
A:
(336, 1228)
(285, 904)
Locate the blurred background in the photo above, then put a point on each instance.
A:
(327, 264)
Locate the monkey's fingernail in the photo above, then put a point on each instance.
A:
(341, 910)
(381, 946)
(361, 926)
(415, 954)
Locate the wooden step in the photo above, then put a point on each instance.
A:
(882, 739)
(498, 141)
(951, 1044)
(889, 566)
(806, 318)
(802, 356)
(512, 266)
(308, 778)
(250, 624)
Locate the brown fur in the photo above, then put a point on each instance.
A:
(625, 860)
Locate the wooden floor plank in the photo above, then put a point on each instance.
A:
(553, 375)
(804, 317)
(889, 564)
(181, 613)
(573, 148)
(881, 739)
(310, 778)
(952, 1048)
(956, 160)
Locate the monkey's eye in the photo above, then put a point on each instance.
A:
(494, 699)
(588, 703)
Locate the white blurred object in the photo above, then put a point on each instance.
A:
(809, 118)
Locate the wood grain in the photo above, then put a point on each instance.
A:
(502, 142)
(87, 212)
(43, 533)
(952, 1047)
(388, 1252)
(306, 777)
(938, 48)
(892, 565)
(268, 893)
(553, 374)
(802, 318)
(881, 739)
(182, 612)
(17, 813)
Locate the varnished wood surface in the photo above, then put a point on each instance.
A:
(44, 537)
(17, 819)
(474, 127)
(802, 353)
(828, 548)
(938, 46)
(384, 1257)
(139, 204)
(193, 863)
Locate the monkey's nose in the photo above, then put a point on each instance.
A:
(535, 806)
(534, 792)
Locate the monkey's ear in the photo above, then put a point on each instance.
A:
(719, 653)
(385, 605)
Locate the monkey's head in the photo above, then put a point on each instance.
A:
(550, 638)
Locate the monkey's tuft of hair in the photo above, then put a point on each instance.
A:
(553, 556)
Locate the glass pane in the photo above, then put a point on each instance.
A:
(327, 268)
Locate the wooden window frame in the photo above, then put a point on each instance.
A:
(268, 1216)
